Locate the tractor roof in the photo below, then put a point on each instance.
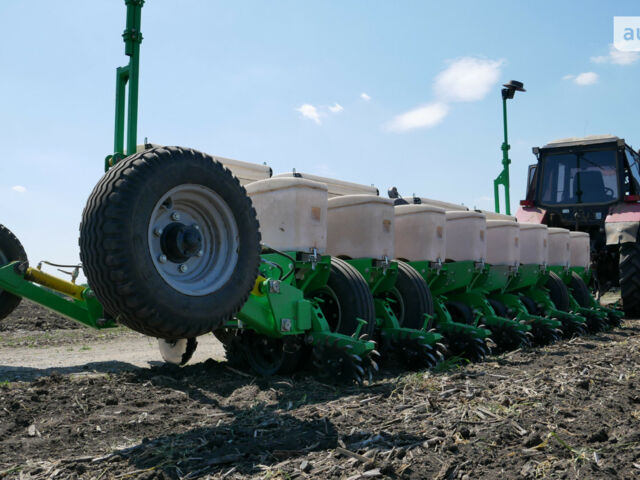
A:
(577, 141)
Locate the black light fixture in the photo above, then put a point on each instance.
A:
(511, 88)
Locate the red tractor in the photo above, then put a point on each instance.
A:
(592, 184)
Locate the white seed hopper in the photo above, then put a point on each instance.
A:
(559, 247)
(534, 244)
(292, 213)
(465, 236)
(420, 233)
(360, 226)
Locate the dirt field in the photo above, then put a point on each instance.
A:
(571, 410)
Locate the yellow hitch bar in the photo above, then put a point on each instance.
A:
(54, 283)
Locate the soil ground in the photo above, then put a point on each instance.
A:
(99, 405)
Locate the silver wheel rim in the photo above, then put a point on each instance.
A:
(211, 268)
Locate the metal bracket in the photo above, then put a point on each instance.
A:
(285, 325)
(274, 286)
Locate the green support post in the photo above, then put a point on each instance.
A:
(503, 178)
(128, 76)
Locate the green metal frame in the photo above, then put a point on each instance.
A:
(443, 279)
(381, 278)
(87, 311)
(594, 308)
(470, 282)
(283, 308)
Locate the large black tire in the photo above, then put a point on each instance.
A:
(117, 244)
(630, 278)
(345, 298)
(11, 250)
(413, 296)
(558, 292)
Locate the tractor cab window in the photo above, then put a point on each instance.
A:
(531, 187)
(582, 177)
(634, 166)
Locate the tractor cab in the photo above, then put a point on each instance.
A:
(577, 180)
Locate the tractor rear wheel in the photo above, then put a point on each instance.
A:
(630, 278)
(11, 250)
(412, 292)
(169, 243)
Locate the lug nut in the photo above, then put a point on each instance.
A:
(183, 268)
(196, 226)
(175, 216)
(200, 253)
(157, 231)
(162, 258)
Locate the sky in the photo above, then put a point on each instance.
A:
(390, 93)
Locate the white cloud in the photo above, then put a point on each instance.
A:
(617, 57)
(309, 111)
(336, 108)
(365, 97)
(586, 78)
(19, 188)
(583, 79)
(467, 79)
(424, 116)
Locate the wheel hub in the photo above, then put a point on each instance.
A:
(193, 239)
(180, 242)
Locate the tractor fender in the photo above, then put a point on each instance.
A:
(622, 223)
(531, 215)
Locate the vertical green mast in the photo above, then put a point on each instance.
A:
(503, 179)
(128, 76)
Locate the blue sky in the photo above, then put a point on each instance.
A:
(282, 82)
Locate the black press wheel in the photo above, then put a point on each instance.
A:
(270, 356)
(11, 250)
(582, 295)
(542, 333)
(169, 243)
(630, 278)
(412, 298)
(579, 290)
(345, 298)
(459, 344)
(558, 292)
(499, 308)
(461, 312)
